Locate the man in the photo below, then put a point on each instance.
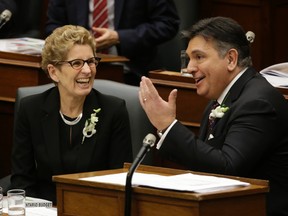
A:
(135, 29)
(249, 137)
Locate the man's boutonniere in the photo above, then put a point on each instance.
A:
(89, 129)
(218, 112)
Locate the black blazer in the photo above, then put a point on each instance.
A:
(141, 25)
(37, 154)
(251, 140)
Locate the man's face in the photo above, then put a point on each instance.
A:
(209, 70)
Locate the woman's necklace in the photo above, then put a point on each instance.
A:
(75, 121)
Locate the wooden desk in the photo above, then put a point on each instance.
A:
(78, 197)
(17, 70)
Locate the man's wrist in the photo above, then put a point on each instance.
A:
(160, 133)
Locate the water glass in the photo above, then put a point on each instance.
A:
(184, 63)
(16, 202)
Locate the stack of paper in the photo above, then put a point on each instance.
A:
(277, 75)
(24, 45)
(183, 182)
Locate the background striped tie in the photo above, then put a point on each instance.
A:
(100, 14)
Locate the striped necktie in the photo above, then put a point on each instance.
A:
(100, 14)
(211, 121)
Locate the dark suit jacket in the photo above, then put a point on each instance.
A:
(251, 139)
(37, 154)
(141, 25)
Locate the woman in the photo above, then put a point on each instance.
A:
(71, 127)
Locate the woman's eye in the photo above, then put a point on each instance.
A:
(77, 63)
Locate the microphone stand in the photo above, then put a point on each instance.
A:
(148, 142)
(128, 186)
(128, 191)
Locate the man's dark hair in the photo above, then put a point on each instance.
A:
(226, 34)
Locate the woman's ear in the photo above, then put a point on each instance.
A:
(52, 71)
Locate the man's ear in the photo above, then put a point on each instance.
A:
(232, 58)
(52, 70)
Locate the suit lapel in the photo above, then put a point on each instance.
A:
(51, 130)
(78, 13)
(239, 85)
(89, 144)
(118, 7)
(232, 95)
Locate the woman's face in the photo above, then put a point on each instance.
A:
(72, 82)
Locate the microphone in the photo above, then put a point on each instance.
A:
(5, 17)
(148, 143)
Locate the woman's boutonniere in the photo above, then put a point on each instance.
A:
(218, 112)
(89, 129)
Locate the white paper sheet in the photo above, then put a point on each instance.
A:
(276, 75)
(183, 182)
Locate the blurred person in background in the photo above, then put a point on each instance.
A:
(134, 28)
(8, 29)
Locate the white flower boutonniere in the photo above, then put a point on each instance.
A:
(218, 112)
(89, 129)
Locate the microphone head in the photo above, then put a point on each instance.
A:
(149, 140)
(6, 15)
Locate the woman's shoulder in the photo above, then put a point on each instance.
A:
(36, 99)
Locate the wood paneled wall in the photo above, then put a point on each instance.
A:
(266, 18)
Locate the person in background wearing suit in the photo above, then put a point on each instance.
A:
(7, 29)
(71, 127)
(135, 29)
(249, 137)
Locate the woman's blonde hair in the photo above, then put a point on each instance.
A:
(58, 44)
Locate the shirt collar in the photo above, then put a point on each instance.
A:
(226, 90)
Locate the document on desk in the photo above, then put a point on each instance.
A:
(276, 75)
(24, 45)
(182, 182)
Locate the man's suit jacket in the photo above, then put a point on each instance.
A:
(141, 25)
(37, 154)
(250, 140)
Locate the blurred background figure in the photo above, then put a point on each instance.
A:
(134, 29)
(29, 18)
(7, 28)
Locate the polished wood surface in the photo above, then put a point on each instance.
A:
(78, 197)
(18, 70)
